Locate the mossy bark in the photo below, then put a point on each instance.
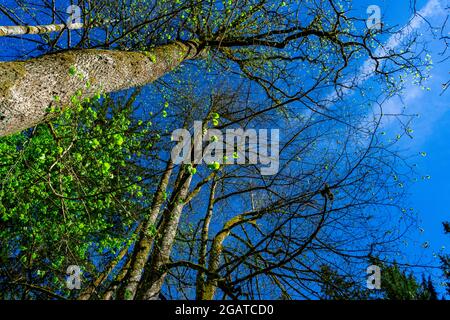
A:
(200, 281)
(29, 88)
(144, 245)
(210, 286)
(154, 276)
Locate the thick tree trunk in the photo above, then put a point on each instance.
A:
(21, 30)
(29, 88)
(143, 247)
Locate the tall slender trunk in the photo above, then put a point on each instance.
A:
(215, 255)
(89, 291)
(200, 281)
(114, 285)
(143, 247)
(87, 294)
(22, 30)
(155, 274)
(155, 270)
(29, 88)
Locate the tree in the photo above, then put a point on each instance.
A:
(337, 287)
(20, 30)
(70, 196)
(445, 260)
(21, 108)
(137, 223)
(396, 284)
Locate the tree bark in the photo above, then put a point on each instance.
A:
(211, 284)
(22, 30)
(29, 88)
(156, 273)
(143, 247)
(87, 294)
(114, 285)
(200, 281)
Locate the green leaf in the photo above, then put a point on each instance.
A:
(72, 70)
(214, 166)
(118, 139)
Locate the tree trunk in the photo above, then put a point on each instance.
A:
(210, 287)
(29, 88)
(155, 275)
(114, 285)
(200, 281)
(21, 30)
(87, 293)
(143, 247)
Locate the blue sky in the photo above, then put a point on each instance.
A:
(431, 134)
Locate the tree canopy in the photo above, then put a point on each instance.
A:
(87, 177)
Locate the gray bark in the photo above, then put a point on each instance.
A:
(22, 30)
(29, 88)
(200, 281)
(155, 275)
(143, 247)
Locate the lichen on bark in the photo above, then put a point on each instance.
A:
(27, 88)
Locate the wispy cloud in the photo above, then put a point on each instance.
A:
(432, 9)
(428, 104)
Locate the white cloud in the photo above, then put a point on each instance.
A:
(432, 9)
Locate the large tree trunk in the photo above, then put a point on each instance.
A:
(29, 88)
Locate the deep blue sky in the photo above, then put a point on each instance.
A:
(431, 133)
